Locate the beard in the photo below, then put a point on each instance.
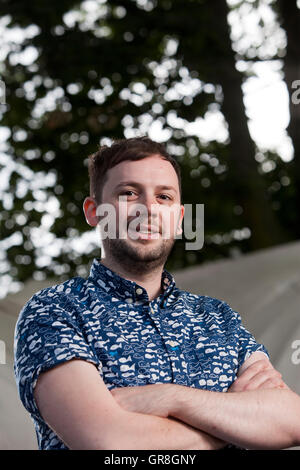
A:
(138, 256)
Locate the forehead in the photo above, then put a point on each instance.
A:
(153, 170)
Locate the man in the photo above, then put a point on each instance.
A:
(126, 360)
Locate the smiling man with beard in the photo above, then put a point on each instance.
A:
(125, 359)
(142, 253)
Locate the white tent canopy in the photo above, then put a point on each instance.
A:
(264, 287)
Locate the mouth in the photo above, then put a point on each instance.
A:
(147, 229)
(145, 232)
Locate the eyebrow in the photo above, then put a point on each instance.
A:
(138, 185)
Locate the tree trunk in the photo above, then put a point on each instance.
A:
(250, 188)
(290, 15)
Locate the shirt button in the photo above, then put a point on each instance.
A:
(139, 290)
(129, 300)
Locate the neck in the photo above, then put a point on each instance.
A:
(149, 279)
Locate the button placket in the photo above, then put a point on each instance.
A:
(172, 353)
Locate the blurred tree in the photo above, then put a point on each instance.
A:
(207, 48)
(290, 19)
(93, 71)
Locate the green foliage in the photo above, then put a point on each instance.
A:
(105, 72)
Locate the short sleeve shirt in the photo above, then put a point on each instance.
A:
(178, 337)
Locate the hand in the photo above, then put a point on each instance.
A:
(259, 375)
(153, 399)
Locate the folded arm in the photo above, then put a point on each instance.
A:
(76, 404)
(263, 413)
(256, 419)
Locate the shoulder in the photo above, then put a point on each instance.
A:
(47, 302)
(59, 291)
(209, 305)
(210, 312)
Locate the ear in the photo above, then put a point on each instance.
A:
(89, 209)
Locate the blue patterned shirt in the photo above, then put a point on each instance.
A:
(178, 337)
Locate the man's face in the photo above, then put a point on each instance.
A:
(153, 183)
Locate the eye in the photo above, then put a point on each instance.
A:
(124, 192)
(130, 191)
(166, 196)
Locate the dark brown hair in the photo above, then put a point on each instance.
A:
(135, 148)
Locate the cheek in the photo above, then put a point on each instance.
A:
(170, 221)
(121, 222)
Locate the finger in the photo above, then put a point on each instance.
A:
(235, 387)
(272, 383)
(253, 382)
(254, 368)
(261, 377)
(277, 383)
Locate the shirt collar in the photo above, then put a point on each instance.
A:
(124, 289)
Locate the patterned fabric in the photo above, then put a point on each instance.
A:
(178, 337)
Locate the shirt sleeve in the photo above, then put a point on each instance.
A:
(45, 335)
(247, 343)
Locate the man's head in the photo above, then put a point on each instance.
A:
(136, 148)
(142, 172)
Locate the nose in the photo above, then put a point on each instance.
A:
(148, 200)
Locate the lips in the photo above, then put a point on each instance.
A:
(147, 229)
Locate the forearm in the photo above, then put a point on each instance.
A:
(142, 431)
(266, 419)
